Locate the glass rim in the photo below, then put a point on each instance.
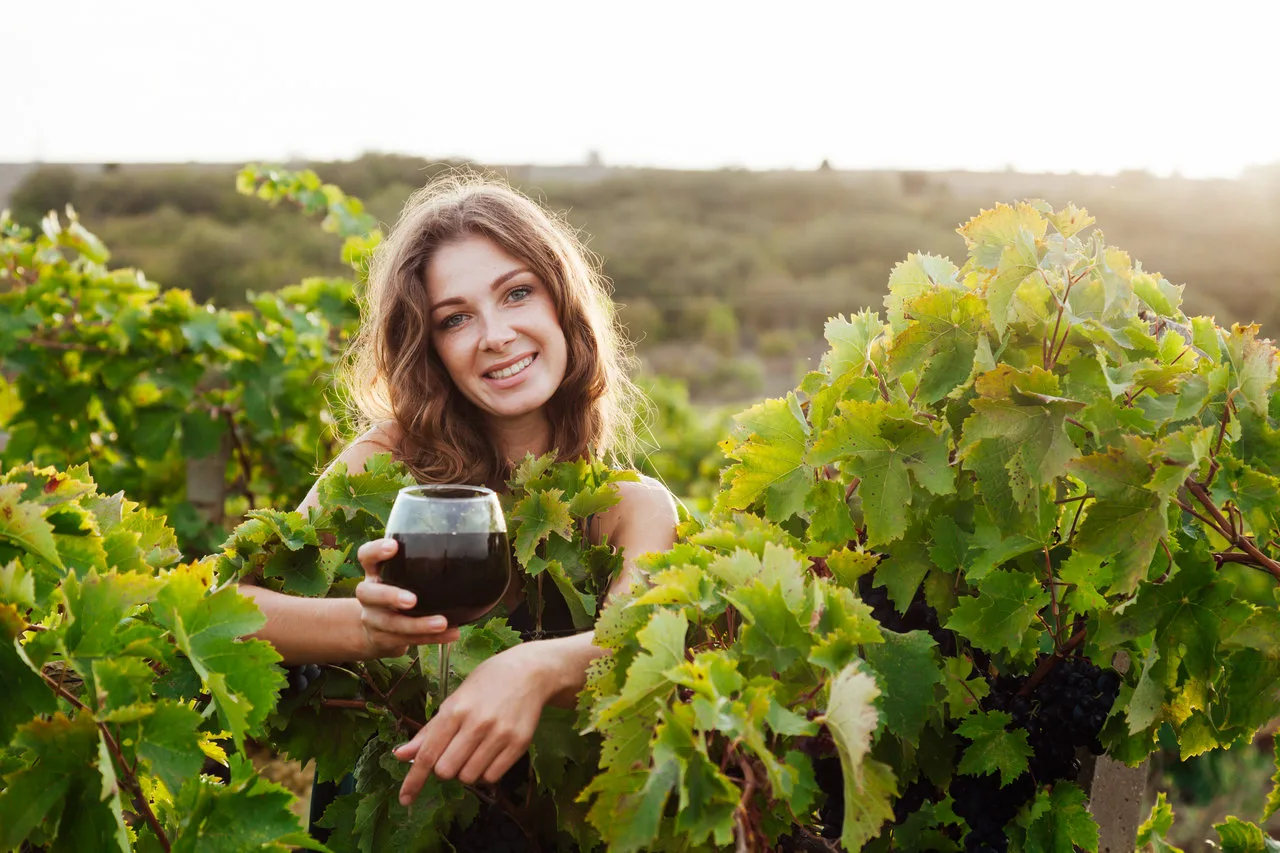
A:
(434, 490)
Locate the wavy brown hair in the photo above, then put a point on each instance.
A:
(391, 372)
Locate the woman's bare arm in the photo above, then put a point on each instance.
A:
(332, 630)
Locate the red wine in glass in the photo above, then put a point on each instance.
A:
(453, 555)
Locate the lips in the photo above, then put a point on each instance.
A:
(511, 367)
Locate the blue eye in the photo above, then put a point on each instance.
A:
(521, 293)
(448, 322)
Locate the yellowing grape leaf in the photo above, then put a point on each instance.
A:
(23, 524)
(1253, 361)
(987, 234)
(868, 785)
(918, 274)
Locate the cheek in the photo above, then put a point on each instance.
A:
(451, 351)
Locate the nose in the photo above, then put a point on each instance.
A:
(497, 334)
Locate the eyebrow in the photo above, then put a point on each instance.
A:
(497, 282)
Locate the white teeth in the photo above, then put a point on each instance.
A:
(507, 372)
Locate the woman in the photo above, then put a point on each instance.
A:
(487, 335)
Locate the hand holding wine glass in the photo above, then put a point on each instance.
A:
(452, 558)
(388, 631)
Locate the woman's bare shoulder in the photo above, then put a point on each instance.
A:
(384, 437)
(645, 508)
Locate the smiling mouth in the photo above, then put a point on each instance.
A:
(512, 370)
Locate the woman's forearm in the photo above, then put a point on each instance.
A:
(310, 630)
(566, 660)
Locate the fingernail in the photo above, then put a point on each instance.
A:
(437, 624)
(407, 599)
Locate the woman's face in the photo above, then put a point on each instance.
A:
(494, 325)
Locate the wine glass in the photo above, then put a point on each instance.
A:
(453, 555)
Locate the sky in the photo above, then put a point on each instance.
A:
(1084, 86)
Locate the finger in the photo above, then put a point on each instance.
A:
(374, 593)
(450, 636)
(481, 758)
(371, 554)
(458, 752)
(436, 735)
(500, 765)
(382, 619)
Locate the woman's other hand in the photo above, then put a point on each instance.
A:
(485, 725)
(388, 630)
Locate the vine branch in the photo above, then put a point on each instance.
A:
(127, 774)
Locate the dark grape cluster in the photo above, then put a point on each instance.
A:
(492, 831)
(987, 806)
(300, 678)
(1061, 714)
(919, 616)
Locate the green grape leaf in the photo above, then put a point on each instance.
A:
(170, 742)
(994, 748)
(17, 585)
(883, 447)
(56, 752)
(662, 641)
(26, 694)
(373, 491)
(907, 665)
(999, 616)
(207, 628)
(1238, 836)
(829, 516)
(940, 343)
(536, 517)
(1024, 424)
(249, 814)
(23, 524)
(1152, 832)
(1058, 821)
(1273, 798)
(769, 463)
(1126, 521)
(851, 342)
(94, 608)
(772, 631)
(707, 798)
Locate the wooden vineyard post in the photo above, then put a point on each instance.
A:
(207, 483)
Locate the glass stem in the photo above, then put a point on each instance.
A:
(444, 672)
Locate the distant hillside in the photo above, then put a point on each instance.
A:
(747, 264)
